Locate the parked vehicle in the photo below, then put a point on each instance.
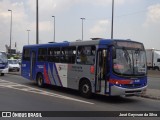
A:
(13, 65)
(153, 59)
(3, 63)
(19, 61)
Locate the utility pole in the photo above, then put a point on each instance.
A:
(82, 27)
(54, 28)
(28, 36)
(37, 23)
(10, 31)
(112, 19)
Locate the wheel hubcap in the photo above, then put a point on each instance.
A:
(85, 88)
(40, 81)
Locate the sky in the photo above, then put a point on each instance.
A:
(138, 20)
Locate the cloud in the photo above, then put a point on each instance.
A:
(100, 28)
(153, 15)
(24, 17)
(45, 26)
(19, 22)
(101, 2)
(50, 6)
(47, 6)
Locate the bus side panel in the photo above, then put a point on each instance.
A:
(66, 75)
(42, 68)
(54, 73)
(51, 73)
(61, 70)
(25, 69)
(76, 73)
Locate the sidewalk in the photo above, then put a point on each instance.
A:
(154, 73)
(152, 94)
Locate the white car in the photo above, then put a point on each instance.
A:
(13, 65)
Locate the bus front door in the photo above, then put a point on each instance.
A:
(101, 70)
(33, 65)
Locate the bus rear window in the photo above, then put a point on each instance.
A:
(26, 54)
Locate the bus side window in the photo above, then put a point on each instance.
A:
(26, 54)
(53, 55)
(86, 55)
(63, 55)
(81, 58)
(42, 54)
(50, 54)
(56, 55)
(68, 55)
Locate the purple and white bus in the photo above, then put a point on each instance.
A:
(104, 66)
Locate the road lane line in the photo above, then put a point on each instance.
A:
(25, 88)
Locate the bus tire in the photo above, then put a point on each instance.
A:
(85, 89)
(2, 74)
(40, 80)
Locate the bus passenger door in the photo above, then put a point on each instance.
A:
(101, 71)
(33, 65)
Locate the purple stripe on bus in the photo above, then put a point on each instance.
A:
(51, 71)
(57, 75)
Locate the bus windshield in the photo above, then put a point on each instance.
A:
(3, 57)
(130, 61)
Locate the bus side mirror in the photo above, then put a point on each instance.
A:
(113, 52)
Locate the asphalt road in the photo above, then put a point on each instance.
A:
(154, 83)
(19, 94)
(154, 79)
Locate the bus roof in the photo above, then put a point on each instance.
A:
(80, 43)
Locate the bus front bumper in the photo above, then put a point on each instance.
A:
(119, 91)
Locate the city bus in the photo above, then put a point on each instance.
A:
(3, 63)
(102, 66)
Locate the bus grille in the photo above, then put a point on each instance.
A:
(136, 91)
(132, 85)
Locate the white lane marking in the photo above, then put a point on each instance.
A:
(12, 85)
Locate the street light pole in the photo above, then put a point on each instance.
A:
(54, 28)
(10, 31)
(112, 19)
(37, 24)
(82, 27)
(28, 36)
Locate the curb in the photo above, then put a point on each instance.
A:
(153, 76)
(14, 73)
(150, 97)
(151, 94)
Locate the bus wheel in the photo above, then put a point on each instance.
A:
(85, 89)
(40, 80)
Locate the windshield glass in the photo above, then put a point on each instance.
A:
(130, 62)
(12, 61)
(3, 57)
